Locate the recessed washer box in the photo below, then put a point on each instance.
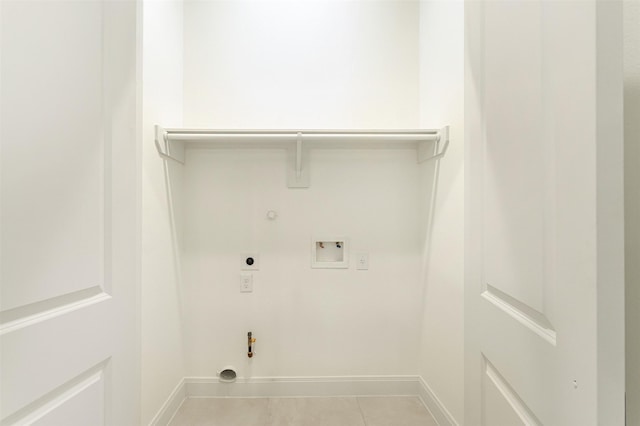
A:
(330, 252)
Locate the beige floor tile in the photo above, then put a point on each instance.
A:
(337, 411)
(314, 412)
(395, 411)
(222, 412)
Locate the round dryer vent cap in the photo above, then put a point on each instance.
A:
(228, 375)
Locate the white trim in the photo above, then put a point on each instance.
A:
(302, 386)
(437, 409)
(171, 405)
(274, 387)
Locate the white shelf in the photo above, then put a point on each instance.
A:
(430, 144)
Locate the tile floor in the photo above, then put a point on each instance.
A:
(334, 411)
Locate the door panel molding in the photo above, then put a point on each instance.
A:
(53, 400)
(24, 316)
(534, 320)
(511, 397)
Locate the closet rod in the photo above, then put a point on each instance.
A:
(387, 135)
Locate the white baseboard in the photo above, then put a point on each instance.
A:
(439, 412)
(274, 387)
(171, 405)
(302, 386)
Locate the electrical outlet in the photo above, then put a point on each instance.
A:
(246, 283)
(362, 261)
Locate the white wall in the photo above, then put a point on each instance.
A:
(442, 102)
(632, 204)
(317, 65)
(162, 345)
(308, 322)
(280, 64)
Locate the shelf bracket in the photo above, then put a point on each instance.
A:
(299, 156)
(169, 150)
(298, 164)
(440, 147)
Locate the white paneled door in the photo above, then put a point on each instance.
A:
(544, 300)
(69, 203)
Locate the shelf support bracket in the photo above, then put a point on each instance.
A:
(169, 150)
(298, 164)
(299, 156)
(438, 149)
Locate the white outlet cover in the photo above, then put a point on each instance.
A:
(362, 261)
(250, 265)
(246, 283)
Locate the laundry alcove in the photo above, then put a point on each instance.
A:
(274, 210)
(232, 170)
